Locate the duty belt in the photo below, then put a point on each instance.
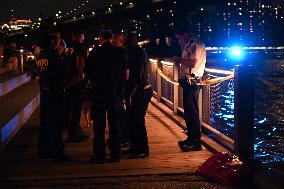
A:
(193, 80)
(44, 88)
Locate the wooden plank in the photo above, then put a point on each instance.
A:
(20, 162)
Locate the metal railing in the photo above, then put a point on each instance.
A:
(212, 100)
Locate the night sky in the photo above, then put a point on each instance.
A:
(24, 9)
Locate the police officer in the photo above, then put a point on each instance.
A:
(107, 68)
(139, 93)
(192, 68)
(119, 42)
(74, 93)
(51, 80)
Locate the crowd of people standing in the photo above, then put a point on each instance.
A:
(117, 75)
(114, 78)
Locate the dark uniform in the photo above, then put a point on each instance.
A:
(74, 95)
(139, 80)
(192, 51)
(105, 67)
(51, 80)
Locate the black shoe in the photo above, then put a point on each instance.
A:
(44, 156)
(127, 151)
(62, 158)
(125, 145)
(183, 142)
(138, 156)
(190, 147)
(77, 139)
(84, 136)
(97, 160)
(113, 160)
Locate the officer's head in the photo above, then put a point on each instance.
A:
(118, 40)
(105, 36)
(79, 36)
(56, 35)
(131, 40)
(183, 35)
(44, 40)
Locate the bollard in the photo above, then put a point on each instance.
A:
(243, 112)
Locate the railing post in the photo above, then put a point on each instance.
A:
(205, 103)
(243, 112)
(175, 97)
(1, 54)
(200, 107)
(21, 61)
(158, 80)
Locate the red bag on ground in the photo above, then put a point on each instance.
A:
(224, 168)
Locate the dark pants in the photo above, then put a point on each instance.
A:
(191, 112)
(51, 123)
(124, 127)
(101, 107)
(73, 105)
(136, 118)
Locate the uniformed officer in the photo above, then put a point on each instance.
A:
(119, 42)
(107, 68)
(51, 80)
(192, 68)
(139, 93)
(74, 93)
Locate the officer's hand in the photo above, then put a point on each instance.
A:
(128, 102)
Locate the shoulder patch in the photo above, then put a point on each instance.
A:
(42, 64)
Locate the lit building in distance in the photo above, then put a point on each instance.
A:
(244, 22)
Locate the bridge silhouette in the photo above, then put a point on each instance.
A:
(19, 101)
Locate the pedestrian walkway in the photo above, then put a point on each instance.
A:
(20, 167)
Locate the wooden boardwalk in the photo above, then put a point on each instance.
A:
(18, 162)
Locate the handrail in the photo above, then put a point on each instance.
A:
(205, 82)
(216, 80)
(169, 79)
(211, 70)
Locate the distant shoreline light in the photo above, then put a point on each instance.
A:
(244, 48)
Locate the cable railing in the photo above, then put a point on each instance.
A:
(217, 103)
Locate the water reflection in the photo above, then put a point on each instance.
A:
(269, 120)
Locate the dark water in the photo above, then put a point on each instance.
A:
(268, 114)
(269, 120)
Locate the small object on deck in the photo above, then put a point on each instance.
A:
(224, 168)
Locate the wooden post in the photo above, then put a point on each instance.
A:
(1, 54)
(175, 97)
(21, 61)
(243, 111)
(1, 143)
(158, 80)
(205, 103)
(200, 107)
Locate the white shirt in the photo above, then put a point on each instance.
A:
(193, 50)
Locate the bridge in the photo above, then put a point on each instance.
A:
(21, 168)
(226, 112)
(167, 165)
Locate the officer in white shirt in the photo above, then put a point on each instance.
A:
(192, 65)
